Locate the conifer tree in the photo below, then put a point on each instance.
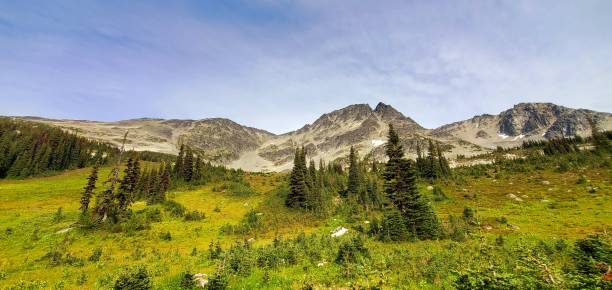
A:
(197, 169)
(164, 181)
(443, 163)
(178, 165)
(188, 164)
(297, 182)
(89, 190)
(400, 187)
(354, 180)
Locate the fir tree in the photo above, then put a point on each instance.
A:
(400, 187)
(164, 181)
(297, 181)
(89, 190)
(354, 180)
(188, 165)
(178, 165)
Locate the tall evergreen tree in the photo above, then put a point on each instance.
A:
(89, 190)
(297, 181)
(164, 181)
(188, 164)
(400, 187)
(178, 165)
(354, 179)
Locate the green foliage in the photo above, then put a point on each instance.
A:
(165, 236)
(174, 208)
(95, 255)
(352, 250)
(133, 279)
(194, 216)
(28, 148)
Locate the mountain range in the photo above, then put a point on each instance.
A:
(331, 135)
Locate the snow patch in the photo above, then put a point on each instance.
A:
(518, 137)
(503, 136)
(378, 142)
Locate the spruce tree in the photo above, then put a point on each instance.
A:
(443, 163)
(89, 190)
(188, 164)
(178, 165)
(297, 182)
(354, 180)
(400, 188)
(164, 181)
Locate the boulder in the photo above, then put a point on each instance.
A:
(338, 232)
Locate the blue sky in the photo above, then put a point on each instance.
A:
(277, 65)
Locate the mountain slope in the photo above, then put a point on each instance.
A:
(331, 135)
(525, 121)
(218, 139)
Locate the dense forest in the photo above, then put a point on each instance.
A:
(28, 149)
(32, 149)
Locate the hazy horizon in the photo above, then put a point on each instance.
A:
(277, 65)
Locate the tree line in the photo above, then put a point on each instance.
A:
(28, 149)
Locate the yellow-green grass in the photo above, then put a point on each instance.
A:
(554, 205)
(548, 212)
(30, 205)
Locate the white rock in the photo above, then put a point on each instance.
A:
(511, 195)
(429, 187)
(63, 231)
(378, 142)
(339, 232)
(366, 222)
(546, 182)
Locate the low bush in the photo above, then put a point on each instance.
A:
(174, 208)
(133, 278)
(194, 216)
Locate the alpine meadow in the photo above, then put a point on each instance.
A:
(125, 162)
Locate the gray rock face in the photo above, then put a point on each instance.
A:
(331, 135)
(526, 121)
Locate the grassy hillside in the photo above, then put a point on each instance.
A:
(538, 215)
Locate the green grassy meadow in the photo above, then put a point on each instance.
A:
(555, 206)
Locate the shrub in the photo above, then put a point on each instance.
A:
(174, 208)
(581, 180)
(394, 228)
(218, 281)
(438, 194)
(194, 216)
(165, 236)
(187, 281)
(135, 223)
(239, 260)
(351, 251)
(81, 279)
(58, 216)
(468, 213)
(95, 255)
(241, 188)
(151, 214)
(134, 278)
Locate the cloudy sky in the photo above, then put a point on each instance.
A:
(277, 65)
